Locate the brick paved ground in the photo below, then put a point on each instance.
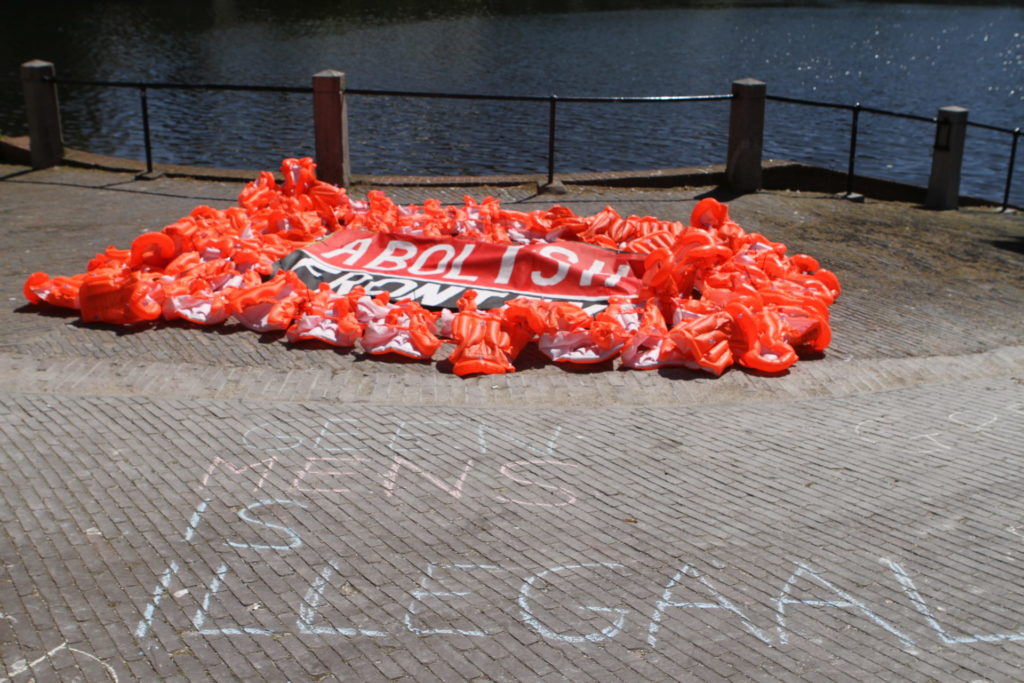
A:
(210, 504)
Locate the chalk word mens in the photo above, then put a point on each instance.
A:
(341, 458)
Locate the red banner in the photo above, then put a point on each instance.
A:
(436, 271)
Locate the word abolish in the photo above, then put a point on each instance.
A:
(436, 272)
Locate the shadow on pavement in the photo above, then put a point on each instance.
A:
(1015, 245)
(112, 187)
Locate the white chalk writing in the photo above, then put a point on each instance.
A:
(534, 623)
(294, 539)
(311, 604)
(721, 602)
(420, 595)
(921, 606)
(891, 430)
(335, 462)
(847, 602)
(22, 667)
(320, 600)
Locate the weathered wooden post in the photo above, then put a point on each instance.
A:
(46, 141)
(947, 159)
(330, 123)
(746, 135)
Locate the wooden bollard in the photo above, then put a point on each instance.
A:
(947, 159)
(746, 135)
(330, 124)
(46, 140)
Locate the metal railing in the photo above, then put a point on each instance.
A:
(553, 101)
(144, 87)
(1015, 132)
(856, 109)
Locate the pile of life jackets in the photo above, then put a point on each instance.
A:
(713, 294)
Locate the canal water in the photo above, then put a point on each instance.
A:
(910, 58)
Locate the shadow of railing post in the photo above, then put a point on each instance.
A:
(852, 161)
(552, 107)
(147, 137)
(42, 109)
(1009, 170)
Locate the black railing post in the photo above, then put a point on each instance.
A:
(552, 106)
(853, 150)
(144, 100)
(1009, 170)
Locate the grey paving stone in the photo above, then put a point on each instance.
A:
(859, 518)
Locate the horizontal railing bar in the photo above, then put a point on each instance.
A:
(998, 129)
(851, 107)
(535, 98)
(183, 86)
(506, 98)
(899, 114)
(447, 96)
(797, 100)
(654, 98)
(384, 93)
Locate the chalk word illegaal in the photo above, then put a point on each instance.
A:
(431, 595)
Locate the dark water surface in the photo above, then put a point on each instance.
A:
(911, 58)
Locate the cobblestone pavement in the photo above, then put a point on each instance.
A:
(193, 504)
